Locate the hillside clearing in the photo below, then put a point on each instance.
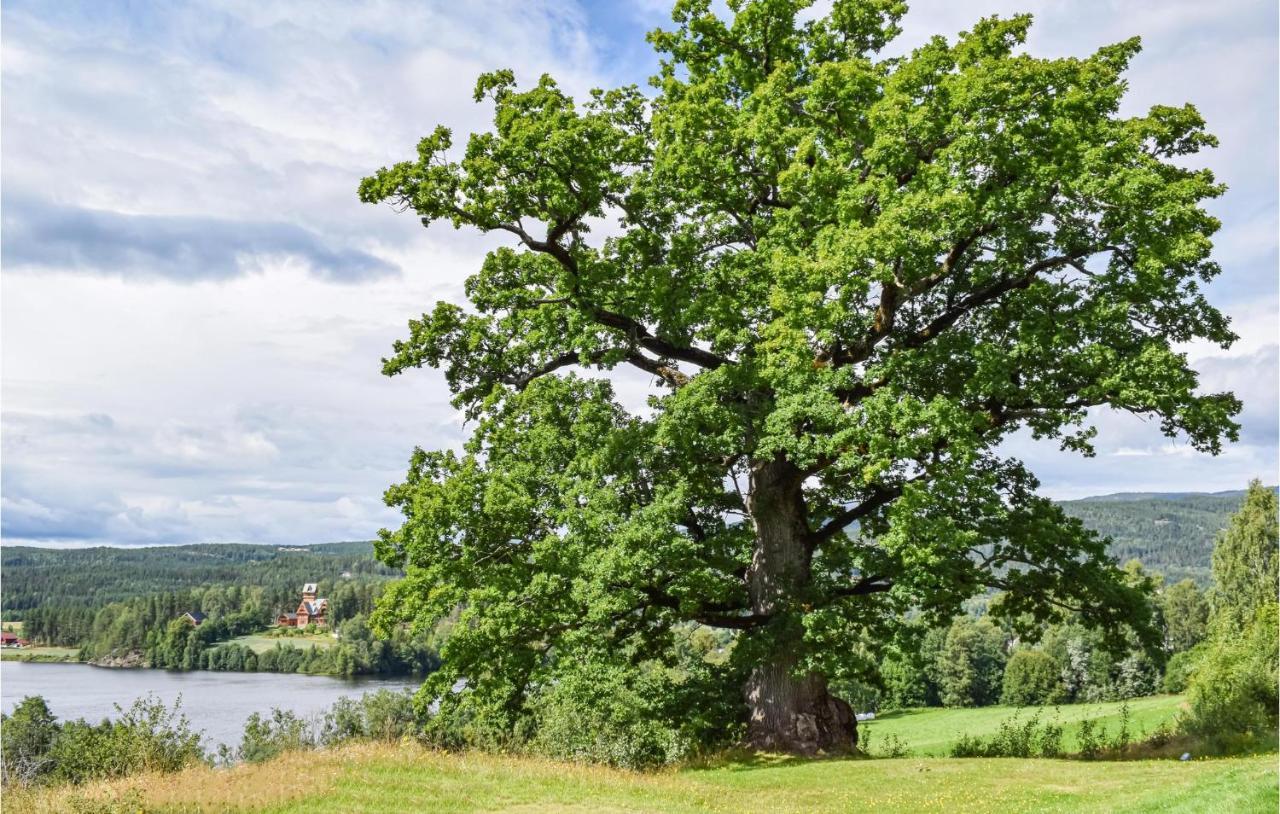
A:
(395, 778)
(260, 643)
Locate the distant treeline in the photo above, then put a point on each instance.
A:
(1170, 533)
(93, 577)
(150, 630)
(973, 661)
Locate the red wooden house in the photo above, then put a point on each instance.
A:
(311, 610)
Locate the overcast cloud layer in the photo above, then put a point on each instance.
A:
(195, 304)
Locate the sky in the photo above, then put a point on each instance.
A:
(194, 305)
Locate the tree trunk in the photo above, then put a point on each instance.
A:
(789, 712)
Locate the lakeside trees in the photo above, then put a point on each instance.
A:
(149, 630)
(846, 279)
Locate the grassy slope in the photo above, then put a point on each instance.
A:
(261, 642)
(391, 778)
(932, 731)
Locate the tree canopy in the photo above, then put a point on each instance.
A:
(845, 277)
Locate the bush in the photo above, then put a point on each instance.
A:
(594, 716)
(148, 736)
(1015, 738)
(1233, 689)
(1031, 679)
(1093, 742)
(266, 737)
(1177, 672)
(383, 715)
(26, 737)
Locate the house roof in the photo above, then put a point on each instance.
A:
(196, 615)
(289, 615)
(317, 607)
(309, 588)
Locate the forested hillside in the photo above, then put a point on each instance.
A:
(1171, 532)
(93, 577)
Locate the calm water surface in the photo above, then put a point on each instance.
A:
(217, 703)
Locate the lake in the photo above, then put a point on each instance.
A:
(217, 703)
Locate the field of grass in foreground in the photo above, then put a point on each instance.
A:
(932, 731)
(371, 778)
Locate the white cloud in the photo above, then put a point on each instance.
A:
(189, 393)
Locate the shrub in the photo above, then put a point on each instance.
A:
(1015, 738)
(25, 740)
(1093, 743)
(1233, 689)
(1177, 672)
(594, 716)
(381, 715)
(1031, 679)
(149, 736)
(894, 747)
(266, 737)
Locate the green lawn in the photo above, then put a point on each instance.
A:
(259, 642)
(932, 731)
(33, 653)
(372, 779)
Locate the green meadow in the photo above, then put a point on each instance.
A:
(393, 778)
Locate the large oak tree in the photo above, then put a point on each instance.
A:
(845, 277)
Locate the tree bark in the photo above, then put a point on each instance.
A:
(789, 712)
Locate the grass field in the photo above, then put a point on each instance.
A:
(31, 653)
(372, 779)
(259, 642)
(933, 731)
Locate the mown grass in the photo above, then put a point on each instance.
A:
(260, 642)
(933, 731)
(373, 778)
(32, 653)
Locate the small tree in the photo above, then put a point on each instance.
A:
(1186, 616)
(1031, 678)
(971, 663)
(26, 737)
(844, 278)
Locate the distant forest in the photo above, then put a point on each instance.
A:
(93, 577)
(1171, 533)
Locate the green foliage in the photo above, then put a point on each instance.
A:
(1178, 670)
(1186, 615)
(147, 737)
(93, 577)
(1031, 678)
(1171, 533)
(266, 737)
(1015, 738)
(594, 715)
(971, 663)
(847, 278)
(1233, 690)
(384, 715)
(26, 739)
(1246, 569)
